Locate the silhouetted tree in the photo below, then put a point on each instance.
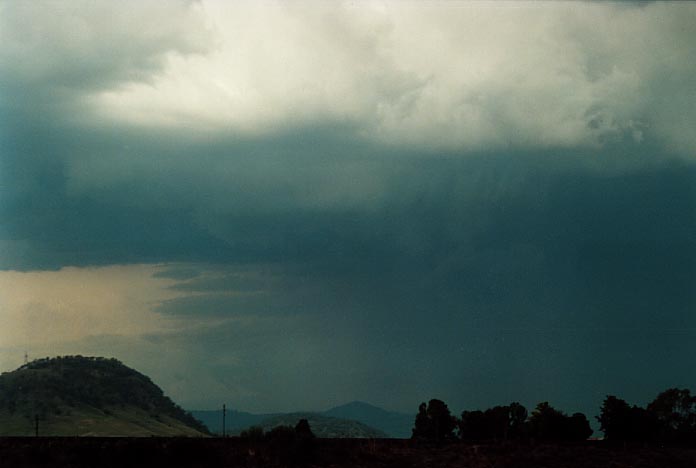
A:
(675, 412)
(472, 426)
(548, 423)
(578, 427)
(303, 430)
(517, 419)
(434, 421)
(615, 419)
(304, 448)
(422, 424)
(499, 422)
(623, 423)
(643, 425)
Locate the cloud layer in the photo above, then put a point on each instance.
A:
(453, 76)
(461, 76)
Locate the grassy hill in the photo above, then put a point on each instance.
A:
(76, 395)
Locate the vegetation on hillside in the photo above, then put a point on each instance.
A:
(324, 426)
(391, 423)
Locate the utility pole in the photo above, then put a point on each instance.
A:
(26, 357)
(36, 425)
(224, 415)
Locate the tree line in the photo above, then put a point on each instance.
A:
(669, 419)
(500, 423)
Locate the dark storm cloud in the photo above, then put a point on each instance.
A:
(533, 280)
(558, 243)
(312, 253)
(511, 268)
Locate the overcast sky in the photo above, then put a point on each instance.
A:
(288, 206)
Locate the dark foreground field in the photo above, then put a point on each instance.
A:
(17, 452)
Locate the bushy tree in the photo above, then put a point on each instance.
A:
(615, 419)
(473, 426)
(675, 413)
(289, 445)
(578, 427)
(517, 419)
(546, 422)
(621, 422)
(550, 424)
(434, 421)
(303, 430)
(499, 422)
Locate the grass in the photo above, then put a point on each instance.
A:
(88, 421)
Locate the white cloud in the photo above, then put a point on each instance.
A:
(443, 75)
(61, 48)
(452, 75)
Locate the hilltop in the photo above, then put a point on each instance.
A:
(76, 395)
(394, 424)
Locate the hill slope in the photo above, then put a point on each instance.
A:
(396, 425)
(77, 395)
(324, 426)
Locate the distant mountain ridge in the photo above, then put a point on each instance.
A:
(77, 395)
(376, 421)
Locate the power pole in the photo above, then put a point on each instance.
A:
(36, 425)
(224, 415)
(26, 357)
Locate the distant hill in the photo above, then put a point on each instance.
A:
(324, 426)
(76, 395)
(397, 425)
(386, 423)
